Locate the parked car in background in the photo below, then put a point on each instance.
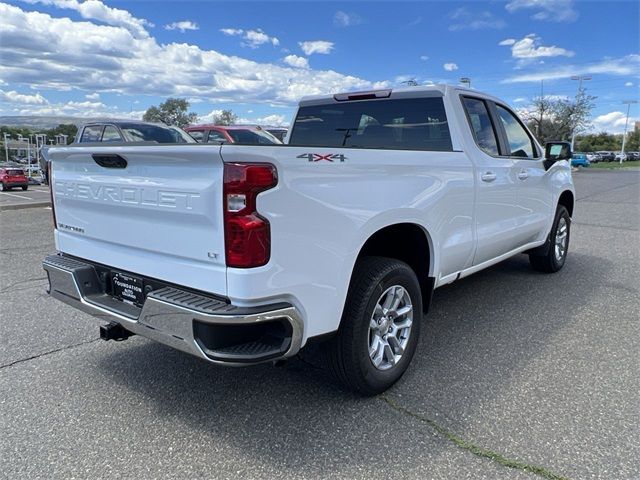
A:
(131, 131)
(593, 157)
(633, 156)
(579, 160)
(621, 157)
(606, 156)
(278, 132)
(12, 176)
(238, 134)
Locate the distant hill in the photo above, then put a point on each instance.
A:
(43, 122)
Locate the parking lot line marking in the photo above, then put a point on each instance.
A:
(14, 195)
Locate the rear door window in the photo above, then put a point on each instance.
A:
(216, 137)
(197, 134)
(91, 133)
(111, 134)
(402, 124)
(481, 125)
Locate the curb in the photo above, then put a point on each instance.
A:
(22, 206)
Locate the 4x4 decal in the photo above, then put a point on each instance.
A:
(318, 157)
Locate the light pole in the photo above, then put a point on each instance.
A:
(628, 103)
(6, 146)
(580, 78)
(466, 80)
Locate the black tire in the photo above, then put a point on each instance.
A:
(545, 259)
(25, 187)
(347, 353)
(3, 187)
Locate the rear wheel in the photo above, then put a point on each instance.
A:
(25, 187)
(554, 255)
(3, 187)
(380, 326)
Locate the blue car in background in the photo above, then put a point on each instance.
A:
(579, 160)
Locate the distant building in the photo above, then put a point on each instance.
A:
(636, 126)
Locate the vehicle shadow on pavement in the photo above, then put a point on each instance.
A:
(481, 334)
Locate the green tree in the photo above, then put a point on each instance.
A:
(173, 111)
(226, 117)
(68, 129)
(557, 118)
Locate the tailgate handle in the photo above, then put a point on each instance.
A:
(109, 160)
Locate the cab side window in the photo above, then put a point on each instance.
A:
(111, 134)
(197, 134)
(216, 137)
(91, 133)
(481, 125)
(520, 142)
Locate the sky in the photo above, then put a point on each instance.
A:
(117, 58)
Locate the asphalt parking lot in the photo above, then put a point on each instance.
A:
(17, 199)
(514, 369)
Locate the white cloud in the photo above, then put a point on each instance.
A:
(252, 38)
(316, 46)
(96, 10)
(344, 19)
(15, 97)
(296, 61)
(466, 19)
(92, 96)
(424, 58)
(529, 48)
(450, 67)
(183, 26)
(613, 122)
(232, 31)
(628, 65)
(255, 38)
(519, 100)
(61, 54)
(548, 10)
(628, 84)
(268, 120)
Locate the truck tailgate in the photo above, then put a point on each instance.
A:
(160, 215)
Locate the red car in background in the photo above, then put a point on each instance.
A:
(12, 177)
(239, 134)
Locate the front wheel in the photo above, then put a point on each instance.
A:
(380, 326)
(554, 256)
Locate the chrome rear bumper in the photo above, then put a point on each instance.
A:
(184, 320)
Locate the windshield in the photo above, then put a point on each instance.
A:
(15, 172)
(155, 133)
(252, 137)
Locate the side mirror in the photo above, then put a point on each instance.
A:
(556, 151)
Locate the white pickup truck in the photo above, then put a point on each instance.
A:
(246, 254)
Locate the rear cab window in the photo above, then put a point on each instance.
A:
(396, 124)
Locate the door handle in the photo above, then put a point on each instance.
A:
(109, 160)
(523, 175)
(488, 177)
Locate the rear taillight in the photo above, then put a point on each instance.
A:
(53, 205)
(247, 235)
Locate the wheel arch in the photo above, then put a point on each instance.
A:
(409, 243)
(567, 200)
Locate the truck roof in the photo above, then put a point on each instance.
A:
(436, 89)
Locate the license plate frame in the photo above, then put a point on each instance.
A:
(128, 288)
